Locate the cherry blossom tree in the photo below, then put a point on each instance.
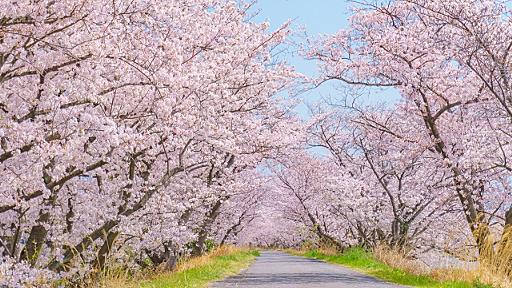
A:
(144, 129)
(447, 59)
(242, 207)
(119, 119)
(400, 198)
(299, 183)
(273, 226)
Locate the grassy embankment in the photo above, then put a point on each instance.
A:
(194, 272)
(365, 262)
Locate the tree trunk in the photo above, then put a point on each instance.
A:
(399, 233)
(171, 261)
(203, 232)
(35, 240)
(105, 249)
(474, 215)
(504, 252)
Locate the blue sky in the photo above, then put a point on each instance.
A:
(317, 18)
(321, 16)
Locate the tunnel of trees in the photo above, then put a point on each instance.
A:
(149, 129)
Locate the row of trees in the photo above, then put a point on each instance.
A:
(433, 170)
(136, 130)
(130, 130)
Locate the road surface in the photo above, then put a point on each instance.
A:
(280, 270)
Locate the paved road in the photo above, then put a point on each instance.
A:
(280, 270)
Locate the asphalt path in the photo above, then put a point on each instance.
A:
(276, 269)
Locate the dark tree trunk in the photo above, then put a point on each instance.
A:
(169, 257)
(35, 240)
(105, 250)
(199, 248)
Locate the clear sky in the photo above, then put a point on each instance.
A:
(313, 18)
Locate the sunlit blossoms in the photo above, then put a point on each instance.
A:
(451, 132)
(431, 172)
(120, 120)
(134, 132)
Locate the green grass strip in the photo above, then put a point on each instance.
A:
(363, 261)
(216, 269)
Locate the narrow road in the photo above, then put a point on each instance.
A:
(277, 270)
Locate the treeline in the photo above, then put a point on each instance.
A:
(432, 171)
(130, 131)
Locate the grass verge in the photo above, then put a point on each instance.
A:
(196, 272)
(363, 261)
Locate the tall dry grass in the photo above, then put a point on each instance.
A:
(115, 278)
(203, 260)
(397, 258)
(494, 271)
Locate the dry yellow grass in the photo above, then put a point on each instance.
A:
(122, 278)
(481, 274)
(397, 259)
(205, 259)
(492, 272)
(119, 278)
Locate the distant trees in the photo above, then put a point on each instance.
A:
(366, 190)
